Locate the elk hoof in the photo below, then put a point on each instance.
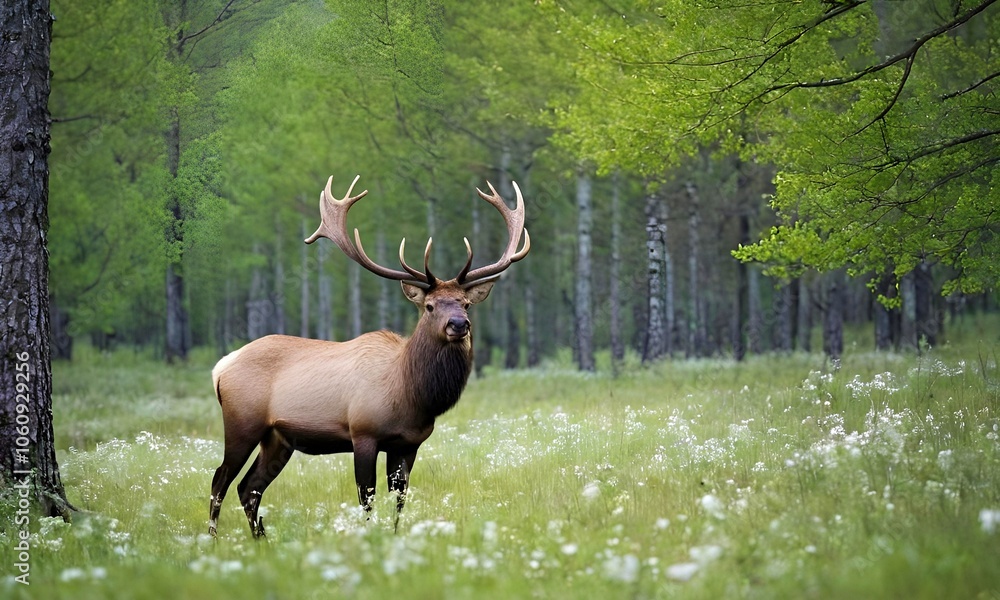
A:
(258, 530)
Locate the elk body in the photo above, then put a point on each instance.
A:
(379, 392)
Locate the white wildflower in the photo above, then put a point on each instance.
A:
(682, 571)
(622, 568)
(490, 532)
(989, 519)
(72, 574)
(713, 506)
(705, 554)
(945, 460)
(591, 490)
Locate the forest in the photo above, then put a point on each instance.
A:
(699, 185)
(752, 353)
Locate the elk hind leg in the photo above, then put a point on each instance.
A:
(235, 456)
(274, 454)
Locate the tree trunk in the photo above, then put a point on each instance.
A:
(304, 286)
(833, 316)
(324, 308)
(531, 326)
(278, 293)
(755, 317)
(803, 321)
(656, 232)
(512, 358)
(483, 335)
(61, 341)
(927, 323)
(384, 300)
(508, 304)
(176, 348)
(28, 461)
(696, 325)
(669, 309)
(176, 317)
(582, 301)
(354, 298)
(908, 318)
(614, 285)
(783, 318)
(882, 315)
(228, 316)
(741, 310)
(258, 306)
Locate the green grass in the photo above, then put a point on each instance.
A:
(776, 477)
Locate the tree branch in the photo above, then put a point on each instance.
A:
(938, 147)
(971, 87)
(907, 54)
(76, 118)
(218, 19)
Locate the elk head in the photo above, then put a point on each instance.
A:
(443, 304)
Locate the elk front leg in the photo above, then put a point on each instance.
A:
(397, 469)
(365, 455)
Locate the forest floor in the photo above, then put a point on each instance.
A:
(775, 477)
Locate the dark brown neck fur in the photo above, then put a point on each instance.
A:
(435, 371)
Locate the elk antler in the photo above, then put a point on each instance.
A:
(515, 226)
(333, 226)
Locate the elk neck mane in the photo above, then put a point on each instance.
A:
(435, 372)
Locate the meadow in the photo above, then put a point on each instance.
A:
(777, 477)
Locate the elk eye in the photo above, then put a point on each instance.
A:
(466, 306)
(429, 307)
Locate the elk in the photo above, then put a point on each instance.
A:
(379, 392)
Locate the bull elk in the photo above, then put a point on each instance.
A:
(379, 392)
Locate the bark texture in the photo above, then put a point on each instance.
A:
(28, 455)
(582, 300)
(656, 238)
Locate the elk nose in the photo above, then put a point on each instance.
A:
(457, 327)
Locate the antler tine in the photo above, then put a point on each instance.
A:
(333, 214)
(468, 262)
(333, 226)
(427, 253)
(427, 259)
(515, 227)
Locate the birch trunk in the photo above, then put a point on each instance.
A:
(654, 345)
(304, 285)
(696, 324)
(324, 308)
(582, 301)
(531, 326)
(354, 298)
(614, 285)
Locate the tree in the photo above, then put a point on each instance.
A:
(880, 116)
(583, 301)
(29, 459)
(107, 62)
(657, 332)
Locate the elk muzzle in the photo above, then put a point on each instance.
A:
(457, 328)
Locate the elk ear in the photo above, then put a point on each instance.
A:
(478, 292)
(413, 293)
